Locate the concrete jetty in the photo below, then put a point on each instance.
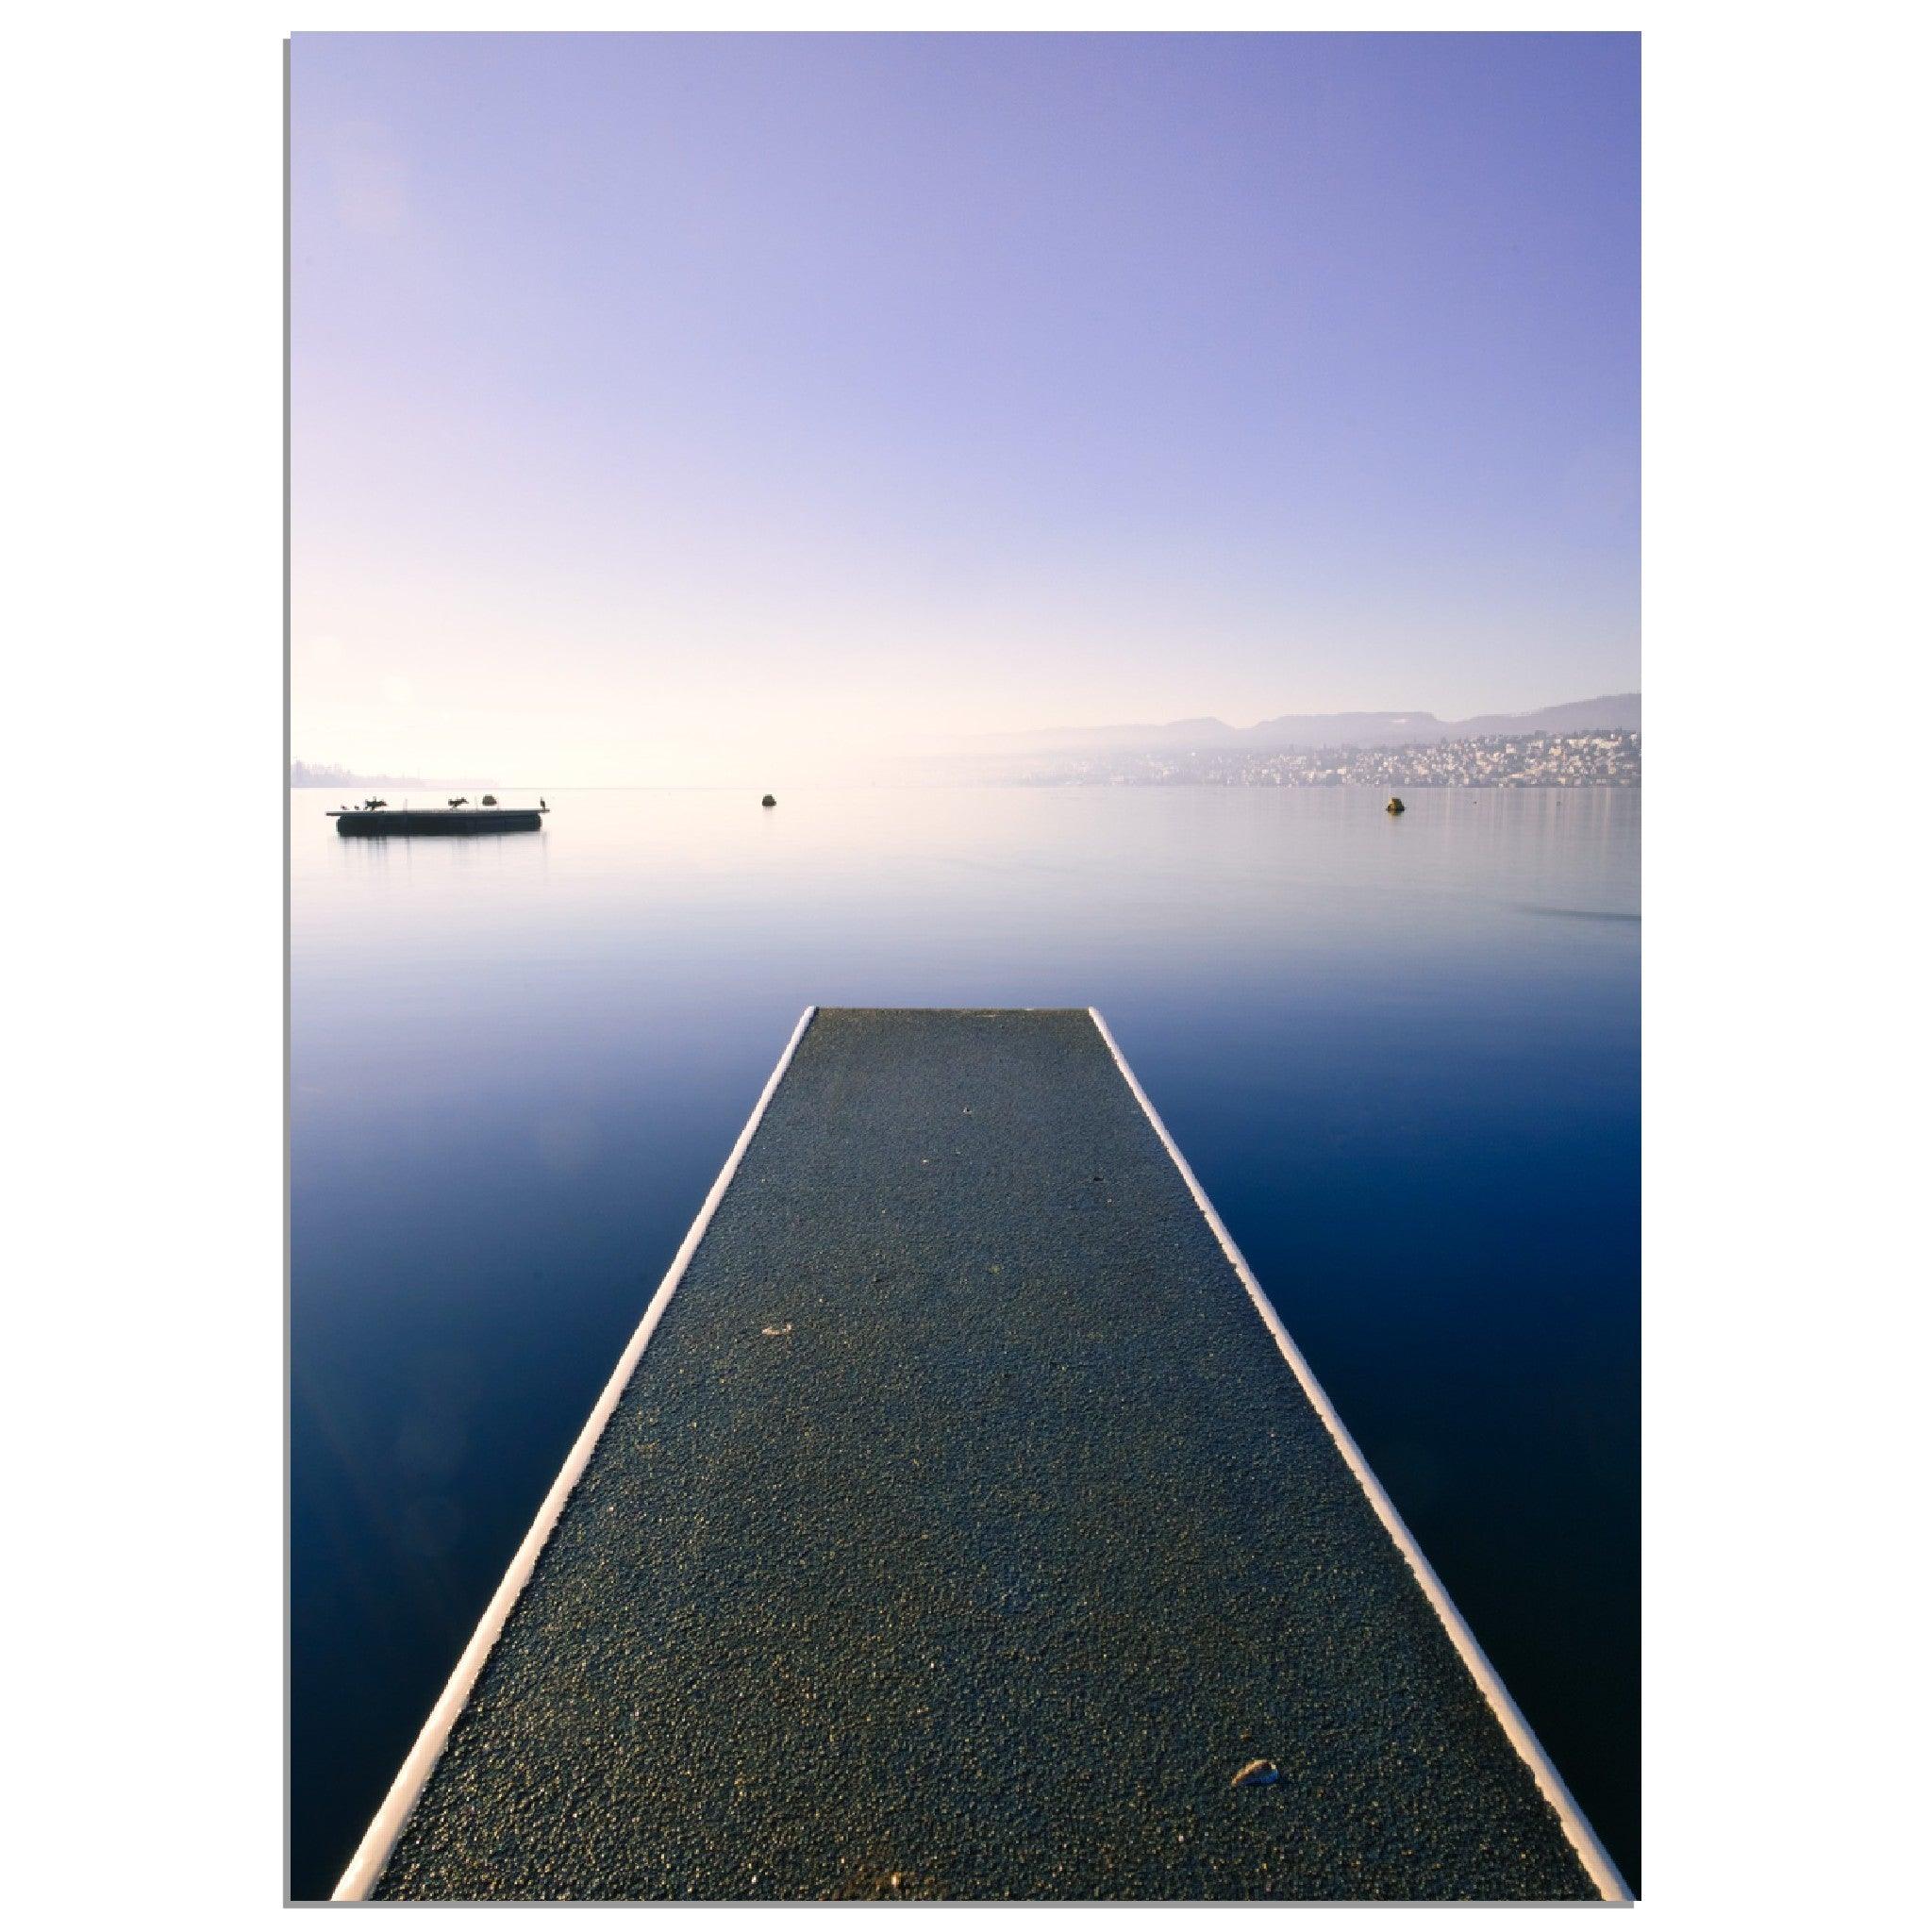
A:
(962, 1523)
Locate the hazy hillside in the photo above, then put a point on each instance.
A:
(1619, 712)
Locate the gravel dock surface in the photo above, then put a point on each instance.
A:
(963, 1534)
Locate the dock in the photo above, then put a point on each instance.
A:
(961, 1523)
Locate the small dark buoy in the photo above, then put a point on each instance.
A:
(768, 799)
(1395, 804)
(1259, 1770)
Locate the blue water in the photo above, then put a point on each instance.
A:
(1402, 1056)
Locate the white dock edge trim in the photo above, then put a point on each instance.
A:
(1589, 1848)
(359, 1880)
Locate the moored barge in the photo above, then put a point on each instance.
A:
(380, 821)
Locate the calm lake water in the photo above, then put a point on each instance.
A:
(1401, 1054)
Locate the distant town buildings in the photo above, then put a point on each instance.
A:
(1583, 757)
(302, 774)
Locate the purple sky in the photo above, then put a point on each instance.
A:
(661, 402)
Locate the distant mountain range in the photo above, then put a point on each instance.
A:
(1621, 712)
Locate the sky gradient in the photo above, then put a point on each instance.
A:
(668, 406)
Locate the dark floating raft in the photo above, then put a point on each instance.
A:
(384, 822)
